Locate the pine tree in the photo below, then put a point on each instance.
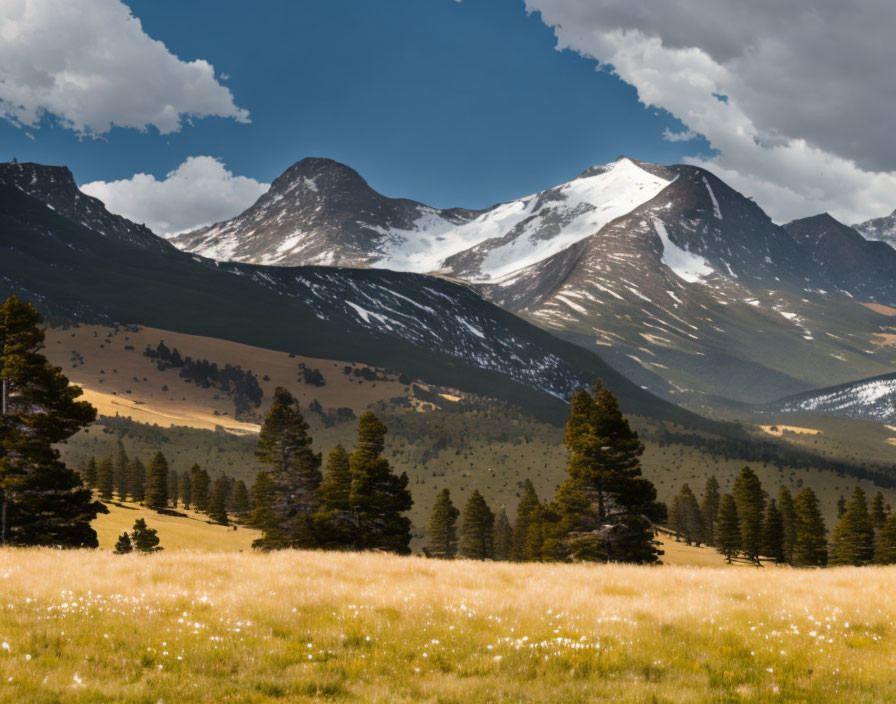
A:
(42, 501)
(477, 538)
(186, 490)
(750, 500)
(691, 516)
(105, 479)
(334, 520)
(885, 549)
(841, 507)
(122, 472)
(528, 504)
(709, 509)
(378, 497)
(157, 482)
(878, 511)
(138, 481)
(773, 533)
(615, 521)
(503, 537)
(728, 534)
(173, 487)
(852, 542)
(536, 534)
(89, 473)
(239, 500)
(217, 507)
(810, 545)
(263, 499)
(441, 529)
(788, 523)
(285, 445)
(123, 545)
(200, 483)
(145, 539)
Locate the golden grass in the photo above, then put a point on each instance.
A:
(880, 308)
(779, 430)
(296, 627)
(175, 532)
(124, 370)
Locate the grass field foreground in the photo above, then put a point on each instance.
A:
(294, 626)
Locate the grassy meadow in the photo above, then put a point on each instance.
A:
(301, 626)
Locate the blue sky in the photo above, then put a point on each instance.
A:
(444, 102)
(451, 103)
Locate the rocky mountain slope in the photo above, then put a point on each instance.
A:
(869, 399)
(684, 284)
(430, 329)
(55, 186)
(882, 229)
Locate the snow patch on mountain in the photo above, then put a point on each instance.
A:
(685, 265)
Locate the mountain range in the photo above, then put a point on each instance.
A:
(683, 284)
(96, 267)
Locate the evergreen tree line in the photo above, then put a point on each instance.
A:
(241, 384)
(356, 504)
(605, 510)
(778, 454)
(157, 486)
(787, 528)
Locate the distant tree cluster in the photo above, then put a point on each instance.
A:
(331, 416)
(155, 485)
(358, 504)
(308, 375)
(142, 538)
(604, 512)
(787, 529)
(241, 384)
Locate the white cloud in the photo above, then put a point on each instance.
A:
(89, 63)
(796, 98)
(201, 191)
(684, 136)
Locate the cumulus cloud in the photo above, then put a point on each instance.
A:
(201, 191)
(90, 64)
(795, 98)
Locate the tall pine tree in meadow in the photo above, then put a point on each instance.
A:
(788, 523)
(503, 536)
(878, 511)
(676, 517)
(137, 491)
(885, 547)
(750, 500)
(144, 538)
(157, 482)
(186, 490)
(105, 478)
(379, 498)
(334, 520)
(239, 500)
(122, 471)
(441, 529)
(810, 547)
(285, 446)
(606, 506)
(217, 507)
(200, 484)
(42, 501)
(727, 534)
(173, 487)
(773, 533)
(477, 537)
(89, 473)
(528, 504)
(691, 517)
(852, 542)
(709, 508)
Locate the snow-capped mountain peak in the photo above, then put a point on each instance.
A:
(882, 229)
